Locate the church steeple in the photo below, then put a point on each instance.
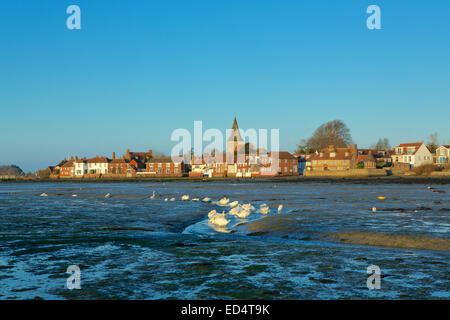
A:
(235, 135)
(235, 125)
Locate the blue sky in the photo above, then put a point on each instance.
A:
(137, 70)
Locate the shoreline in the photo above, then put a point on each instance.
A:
(285, 179)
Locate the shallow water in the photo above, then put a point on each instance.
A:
(131, 247)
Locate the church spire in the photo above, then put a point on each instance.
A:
(235, 125)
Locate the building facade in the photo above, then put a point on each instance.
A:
(414, 154)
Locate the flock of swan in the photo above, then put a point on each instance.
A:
(236, 209)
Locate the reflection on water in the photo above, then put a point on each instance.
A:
(131, 247)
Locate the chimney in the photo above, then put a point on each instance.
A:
(114, 155)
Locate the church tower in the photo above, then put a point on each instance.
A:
(234, 142)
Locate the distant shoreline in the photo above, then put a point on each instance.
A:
(285, 179)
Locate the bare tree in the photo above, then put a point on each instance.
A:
(382, 144)
(433, 142)
(333, 132)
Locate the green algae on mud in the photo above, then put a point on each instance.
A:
(391, 241)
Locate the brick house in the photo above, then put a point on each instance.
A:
(165, 167)
(287, 164)
(68, 169)
(117, 166)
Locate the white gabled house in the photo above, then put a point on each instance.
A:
(414, 154)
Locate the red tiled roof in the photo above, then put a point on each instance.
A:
(340, 154)
(282, 155)
(415, 144)
(68, 164)
(97, 160)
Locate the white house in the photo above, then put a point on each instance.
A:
(81, 167)
(97, 165)
(415, 154)
(443, 154)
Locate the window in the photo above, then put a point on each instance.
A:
(167, 171)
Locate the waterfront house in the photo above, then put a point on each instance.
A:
(165, 167)
(68, 169)
(412, 154)
(97, 165)
(382, 157)
(81, 167)
(334, 159)
(443, 154)
(287, 164)
(366, 160)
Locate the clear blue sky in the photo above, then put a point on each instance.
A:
(139, 69)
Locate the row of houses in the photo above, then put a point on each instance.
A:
(404, 156)
(245, 160)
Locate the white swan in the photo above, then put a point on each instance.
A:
(243, 213)
(165, 199)
(280, 207)
(206, 199)
(233, 204)
(264, 210)
(172, 199)
(44, 195)
(185, 197)
(211, 214)
(195, 199)
(108, 195)
(234, 210)
(224, 201)
(219, 220)
(74, 195)
(153, 196)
